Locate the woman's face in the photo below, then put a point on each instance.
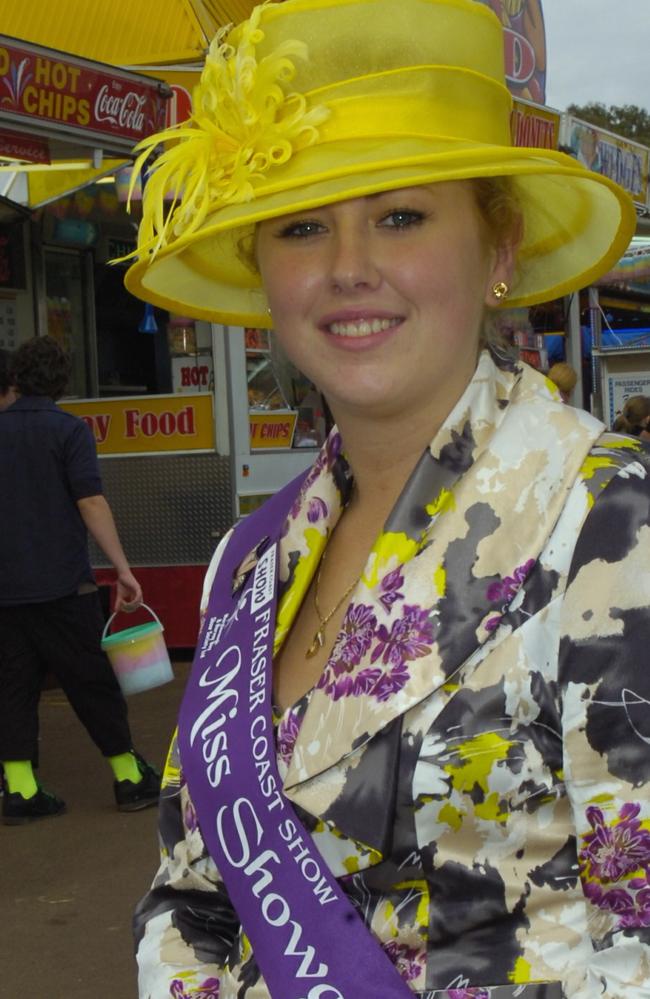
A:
(380, 299)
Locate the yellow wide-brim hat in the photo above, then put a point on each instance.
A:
(310, 102)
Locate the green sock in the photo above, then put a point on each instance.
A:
(20, 778)
(125, 767)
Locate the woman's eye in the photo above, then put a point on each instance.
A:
(402, 218)
(301, 229)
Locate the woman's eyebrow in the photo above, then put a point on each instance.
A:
(406, 192)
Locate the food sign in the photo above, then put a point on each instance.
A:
(524, 40)
(147, 424)
(272, 429)
(63, 91)
(193, 374)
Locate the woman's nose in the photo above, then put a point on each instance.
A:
(353, 262)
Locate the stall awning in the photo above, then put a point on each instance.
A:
(47, 184)
(124, 32)
(66, 121)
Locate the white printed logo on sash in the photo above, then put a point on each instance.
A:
(264, 581)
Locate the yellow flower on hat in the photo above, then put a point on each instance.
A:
(244, 121)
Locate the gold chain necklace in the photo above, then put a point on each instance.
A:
(318, 640)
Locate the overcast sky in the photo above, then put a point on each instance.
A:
(598, 50)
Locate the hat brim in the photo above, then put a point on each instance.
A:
(576, 224)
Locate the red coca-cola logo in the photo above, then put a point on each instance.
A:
(125, 111)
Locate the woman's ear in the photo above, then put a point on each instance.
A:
(504, 262)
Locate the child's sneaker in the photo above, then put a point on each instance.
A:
(17, 811)
(132, 797)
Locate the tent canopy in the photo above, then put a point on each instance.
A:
(124, 33)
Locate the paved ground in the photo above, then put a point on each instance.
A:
(68, 885)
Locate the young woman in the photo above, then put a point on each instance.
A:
(419, 764)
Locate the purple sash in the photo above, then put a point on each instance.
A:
(308, 940)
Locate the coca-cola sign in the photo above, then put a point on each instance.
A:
(127, 111)
(62, 92)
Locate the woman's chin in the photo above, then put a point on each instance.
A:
(367, 402)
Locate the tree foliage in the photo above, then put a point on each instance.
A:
(627, 119)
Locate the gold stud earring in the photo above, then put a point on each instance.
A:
(500, 289)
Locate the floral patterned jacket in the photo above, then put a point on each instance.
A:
(474, 763)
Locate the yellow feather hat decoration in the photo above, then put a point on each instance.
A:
(243, 122)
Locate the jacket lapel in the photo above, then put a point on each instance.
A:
(462, 538)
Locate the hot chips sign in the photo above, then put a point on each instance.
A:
(272, 429)
(63, 90)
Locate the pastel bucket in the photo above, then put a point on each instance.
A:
(138, 655)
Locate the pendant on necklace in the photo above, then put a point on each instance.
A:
(317, 644)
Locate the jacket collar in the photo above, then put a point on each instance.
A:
(31, 402)
(463, 536)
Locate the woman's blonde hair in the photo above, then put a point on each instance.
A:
(498, 204)
(502, 218)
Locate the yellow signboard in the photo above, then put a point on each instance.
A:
(148, 423)
(533, 125)
(272, 429)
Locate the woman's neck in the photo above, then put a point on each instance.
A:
(382, 455)
(383, 447)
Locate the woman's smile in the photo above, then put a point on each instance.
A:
(359, 330)
(361, 327)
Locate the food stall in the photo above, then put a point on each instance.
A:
(167, 399)
(180, 467)
(615, 313)
(65, 123)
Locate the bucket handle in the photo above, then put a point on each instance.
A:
(115, 613)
